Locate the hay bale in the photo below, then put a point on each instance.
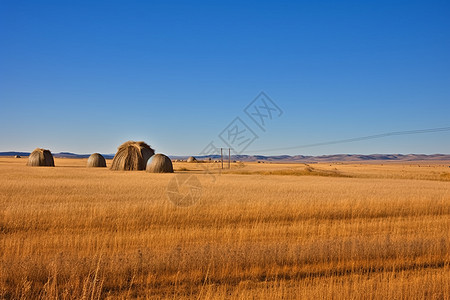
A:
(191, 159)
(160, 163)
(17, 156)
(132, 156)
(96, 160)
(41, 157)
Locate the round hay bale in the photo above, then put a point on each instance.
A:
(191, 159)
(132, 156)
(159, 163)
(41, 157)
(96, 160)
(17, 156)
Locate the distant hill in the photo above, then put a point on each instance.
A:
(14, 153)
(57, 155)
(329, 158)
(281, 158)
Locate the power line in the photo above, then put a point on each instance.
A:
(357, 139)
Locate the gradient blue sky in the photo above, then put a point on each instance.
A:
(85, 76)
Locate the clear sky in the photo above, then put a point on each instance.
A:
(85, 76)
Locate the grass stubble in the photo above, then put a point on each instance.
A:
(258, 232)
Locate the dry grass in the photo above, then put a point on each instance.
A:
(420, 171)
(73, 232)
(306, 171)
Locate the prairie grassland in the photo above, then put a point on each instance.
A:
(379, 232)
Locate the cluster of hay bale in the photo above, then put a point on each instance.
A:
(96, 160)
(41, 157)
(131, 156)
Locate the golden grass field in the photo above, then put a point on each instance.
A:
(259, 231)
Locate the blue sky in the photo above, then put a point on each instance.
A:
(84, 77)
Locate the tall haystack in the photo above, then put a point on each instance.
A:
(132, 156)
(191, 159)
(159, 163)
(41, 157)
(96, 160)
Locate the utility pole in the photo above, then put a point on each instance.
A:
(221, 156)
(229, 158)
